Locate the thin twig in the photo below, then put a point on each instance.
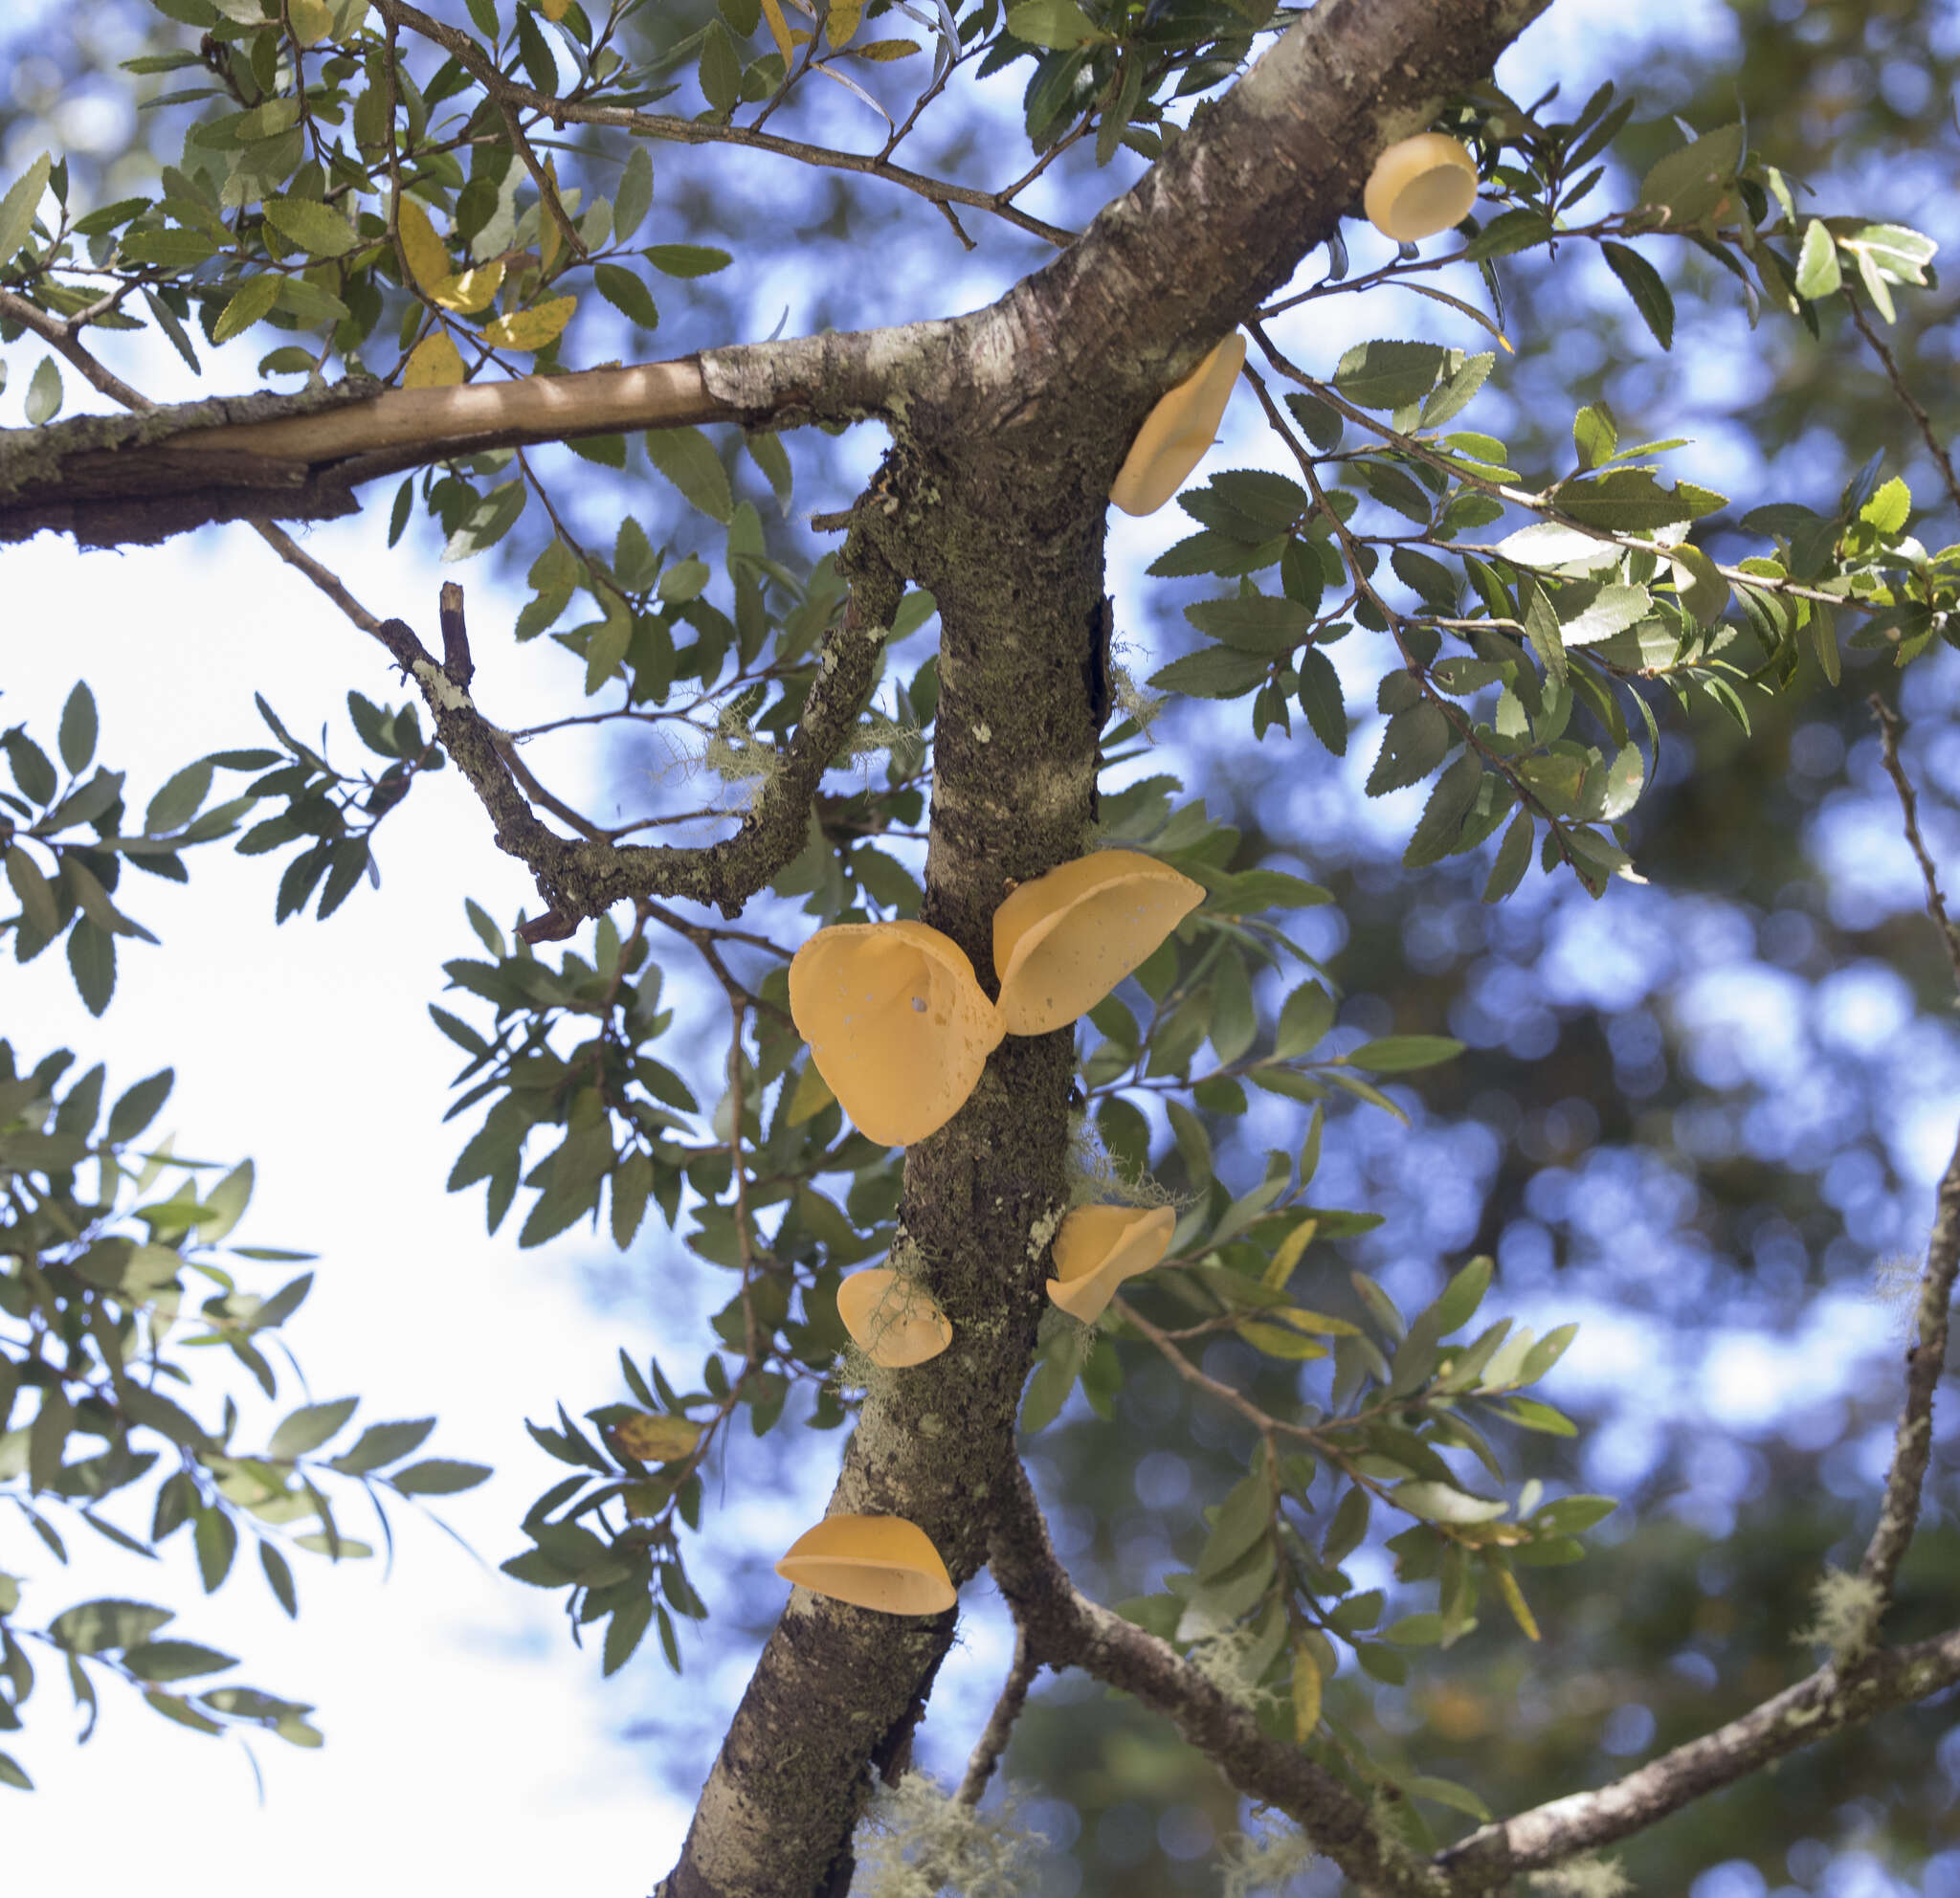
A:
(324, 578)
(1926, 1358)
(1908, 400)
(507, 93)
(1889, 728)
(1000, 1727)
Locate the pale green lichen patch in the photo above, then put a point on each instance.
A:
(1848, 1609)
(1255, 1864)
(1583, 1878)
(916, 1841)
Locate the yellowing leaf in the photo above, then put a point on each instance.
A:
(654, 1439)
(1514, 1600)
(435, 364)
(842, 21)
(468, 291)
(427, 256)
(550, 233)
(885, 49)
(1276, 1342)
(1307, 1695)
(312, 20)
(779, 31)
(554, 11)
(1286, 1259)
(532, 328)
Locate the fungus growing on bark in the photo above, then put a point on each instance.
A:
(894, 1321)
(896, 1024)
(1063, 941)
(882, 1562)
(1177, 432)
(1421, 185)
(1099, 1247)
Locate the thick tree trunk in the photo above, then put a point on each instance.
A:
(1010, 430)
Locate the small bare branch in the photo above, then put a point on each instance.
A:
(1000, 1727)
(1065, 1629)
(584, 876)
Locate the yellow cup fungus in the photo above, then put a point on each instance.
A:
(1098, 1247)
(1063, 941)
(1177, 432)
(1421, 185)
(894, 1321)
(882, 1562)
(897, 1025)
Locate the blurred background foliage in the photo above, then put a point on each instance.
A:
(1700, 1116)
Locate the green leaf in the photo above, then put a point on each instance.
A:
(1703, 591)
(1320, 699)
(720, 70)
(1444, 1503)
(100, 1627)
(634, 197)
(624, 1630)
(1243, 1520)
(278, 1576)
(627, 294)
(438, 1477)
(178, 801)
(1218, 672)
(12, 1775)
(77, 733)
(39, 903)
(1402, 1054)
(1513, 860)
(308, 1427)
(1255, 623)
(92, 962)
(318, 230)
(1055, 24)
(44, 392)
(1442, 817)
(18, 206)
(1412, 746)
(687, 457)
(1462, 1296)
(1697, 181)
(174, 1659)
(1587, 614)
(138, 1107)
(686, 259)
(1389, 375)
(253, 302)
(1642, 283)
(382, 1443)
(1888, 510)
(1817, 271)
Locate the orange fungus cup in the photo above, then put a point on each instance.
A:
(1098, 1247)
(1063, 941)
(882, 1562)
(1177, 432)
(1419, 186)
(893, 1322)
(896, 1024)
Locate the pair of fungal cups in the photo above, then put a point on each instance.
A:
(900, 1030)
(1418, 186)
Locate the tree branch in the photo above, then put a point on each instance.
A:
(1821, 1704)
(1065, 1629)
(586, 875)
(1001, 1724)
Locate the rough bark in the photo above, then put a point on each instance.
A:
(1006, 439)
